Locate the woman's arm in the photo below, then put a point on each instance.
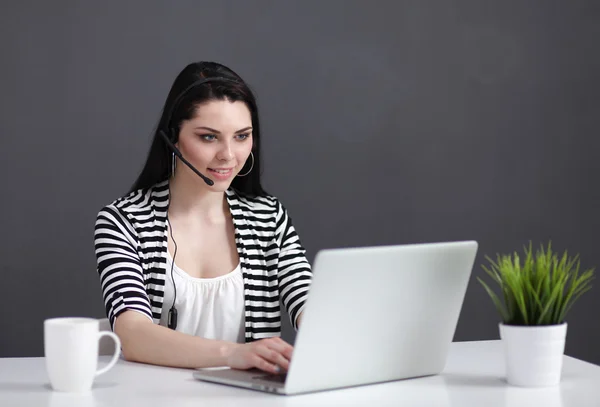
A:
(294, 272)
(145, 342)
(299, 319)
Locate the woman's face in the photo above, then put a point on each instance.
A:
(217, 141)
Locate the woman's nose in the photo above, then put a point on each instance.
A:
(225, 153)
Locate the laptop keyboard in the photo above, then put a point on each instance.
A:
(276, 378)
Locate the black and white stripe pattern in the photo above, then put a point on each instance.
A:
(131, 253)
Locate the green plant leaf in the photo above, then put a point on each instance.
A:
(551, 301)
(582, 285)
(495, 299)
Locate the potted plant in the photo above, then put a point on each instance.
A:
(537, 293)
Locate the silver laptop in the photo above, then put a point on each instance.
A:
(373, 314)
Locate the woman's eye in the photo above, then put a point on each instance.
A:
(208, 137)
(243, 136)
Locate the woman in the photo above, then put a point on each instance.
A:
(194, 260)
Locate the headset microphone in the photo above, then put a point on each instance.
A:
(175, 150)
(172, 316)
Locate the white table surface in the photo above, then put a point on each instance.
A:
(474, 376)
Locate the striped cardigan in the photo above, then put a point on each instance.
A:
(131, 251)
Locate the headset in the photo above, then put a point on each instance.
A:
(169, 134)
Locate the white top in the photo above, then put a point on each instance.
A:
(211, 308)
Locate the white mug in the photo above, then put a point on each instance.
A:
(71, 350)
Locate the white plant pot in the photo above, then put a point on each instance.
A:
(533, 354)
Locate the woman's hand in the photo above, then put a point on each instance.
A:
(272, 355)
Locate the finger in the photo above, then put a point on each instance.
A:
(263, 364)
(282, 347)
(273, 356)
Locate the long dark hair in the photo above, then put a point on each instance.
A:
(158, 164)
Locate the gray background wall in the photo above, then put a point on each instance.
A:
(384, 122)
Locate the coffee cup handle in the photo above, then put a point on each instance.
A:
(115, 356)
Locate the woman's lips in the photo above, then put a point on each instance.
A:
(221, 173)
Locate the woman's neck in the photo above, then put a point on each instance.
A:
(191, 197)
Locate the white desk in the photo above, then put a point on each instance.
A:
(474, 376)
